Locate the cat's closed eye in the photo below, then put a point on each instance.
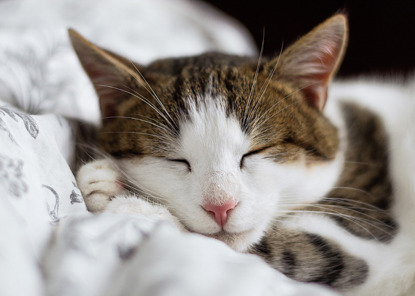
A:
(250, 153)
(182, 161)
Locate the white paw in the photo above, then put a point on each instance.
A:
(134, 204)
(99, 182)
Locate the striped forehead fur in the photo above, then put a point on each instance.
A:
(271, 112)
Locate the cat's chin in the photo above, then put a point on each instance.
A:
(238, 241)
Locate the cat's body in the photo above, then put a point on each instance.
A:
(239, 150)
(369, 213)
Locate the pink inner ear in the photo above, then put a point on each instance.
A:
(314, 96)
(316, 91)
(109, 98)
(105, 79)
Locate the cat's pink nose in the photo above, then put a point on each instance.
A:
(220, 212)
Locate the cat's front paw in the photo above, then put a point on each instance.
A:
(133, 204)
(99, 181)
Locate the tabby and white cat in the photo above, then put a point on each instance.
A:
(249, 152)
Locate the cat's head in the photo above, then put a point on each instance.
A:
(226, 143)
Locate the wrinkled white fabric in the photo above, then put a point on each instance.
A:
(133, 255)
(37, 188)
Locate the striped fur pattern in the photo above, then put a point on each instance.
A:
(359, 202)
(215, 129)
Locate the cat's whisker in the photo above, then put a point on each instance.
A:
(271, 75)
(331, 210)
(161, 127)
(267, 114)
(348, 200)
(160, 112)
(150, 118)
(357, 209)
(264, 87)
(368, 218)
(152, 92)
(141, 98)
(169, 131)
(346, 203)
(160, 137)
(344, 216)
(339, 205)
(260, 121)
(248, 104)
(364, 205)
(139, 190)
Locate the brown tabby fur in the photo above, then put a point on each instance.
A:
(360, 202)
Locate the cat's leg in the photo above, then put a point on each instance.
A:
(310, 257)
(314, 248)
(100, 183)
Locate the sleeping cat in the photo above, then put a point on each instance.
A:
(251, 152)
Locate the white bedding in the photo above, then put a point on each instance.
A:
(49, 243)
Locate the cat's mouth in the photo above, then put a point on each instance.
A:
(238, 241)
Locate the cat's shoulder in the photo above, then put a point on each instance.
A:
(392, 100)
(386, 97)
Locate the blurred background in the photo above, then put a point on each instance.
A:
(382, 33)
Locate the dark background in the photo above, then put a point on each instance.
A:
(382, 33)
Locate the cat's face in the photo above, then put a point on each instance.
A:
(226, 143)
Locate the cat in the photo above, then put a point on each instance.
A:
(251, 152)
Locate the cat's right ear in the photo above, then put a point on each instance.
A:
(113, 76)
(312, 61)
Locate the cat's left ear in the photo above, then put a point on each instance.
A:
(113, 76)
(312, 61)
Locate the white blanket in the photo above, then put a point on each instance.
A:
(49, 243)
